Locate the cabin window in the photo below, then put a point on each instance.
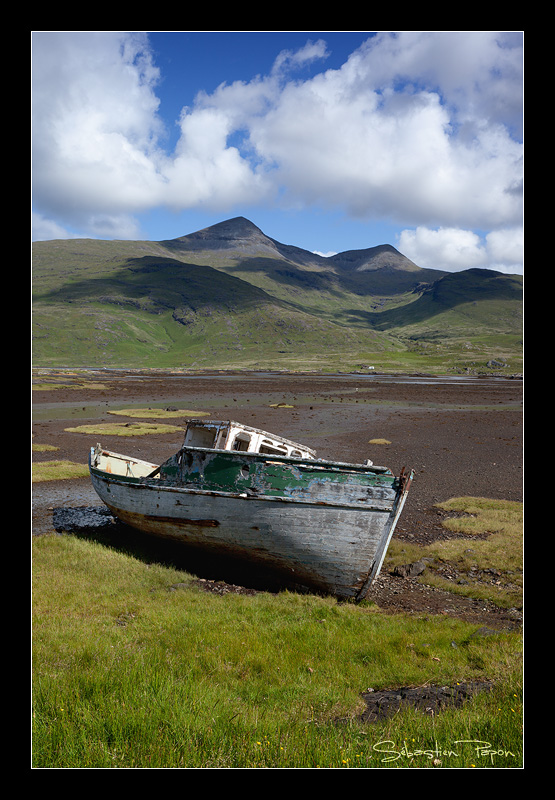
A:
(200, 437)
(269, 448)
(241, 442)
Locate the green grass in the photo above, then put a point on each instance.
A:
(486, 568)
(128, 673)
(124, 429)
(48, 387)
(43, 448)
(158, 413)
(58, 470)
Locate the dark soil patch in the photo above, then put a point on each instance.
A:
(221, 587)
(409, 596)
(427, 699)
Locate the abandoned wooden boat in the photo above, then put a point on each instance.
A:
(241, 492)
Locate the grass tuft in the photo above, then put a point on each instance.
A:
(158, 413)
(488, 565)
(124, 429)
(58, 471)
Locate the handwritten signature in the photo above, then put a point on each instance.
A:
(479, 748)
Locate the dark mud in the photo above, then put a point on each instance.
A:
(462, 437)
(429, 700)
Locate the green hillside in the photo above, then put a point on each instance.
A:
(229, 296)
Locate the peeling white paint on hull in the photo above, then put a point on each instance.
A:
(331, 547)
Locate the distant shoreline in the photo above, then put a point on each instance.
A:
(161, 372)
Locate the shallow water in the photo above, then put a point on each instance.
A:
(98, 408)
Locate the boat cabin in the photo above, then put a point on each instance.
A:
(231, 435)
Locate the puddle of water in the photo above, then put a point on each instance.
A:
(75, 411)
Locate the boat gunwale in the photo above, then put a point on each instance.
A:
(269, 458)
(154, 483)
(277, 458)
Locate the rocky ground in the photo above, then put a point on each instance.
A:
(461, 437)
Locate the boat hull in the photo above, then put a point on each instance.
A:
(334, 546)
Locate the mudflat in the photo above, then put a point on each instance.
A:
(461, 436)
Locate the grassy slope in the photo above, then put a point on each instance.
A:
(145, 304)
(152, 310)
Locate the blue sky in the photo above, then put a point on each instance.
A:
(327, 140)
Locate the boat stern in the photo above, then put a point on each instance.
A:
(101, 460)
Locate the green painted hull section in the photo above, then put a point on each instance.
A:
(259, 475)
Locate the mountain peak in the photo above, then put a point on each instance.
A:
(242, 236)
(372, 258)
(229, 229)
(238, 233)
(237, 227)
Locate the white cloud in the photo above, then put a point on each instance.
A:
(104, 226)
(205, 169)
(417, 128)
(44, 229)
(453, 249)
(363, 138)
(94, 125)
(289, 59)
(506, 249)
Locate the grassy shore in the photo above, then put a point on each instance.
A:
(136, 666)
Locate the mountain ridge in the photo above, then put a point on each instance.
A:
(229, 294)
(240, 232)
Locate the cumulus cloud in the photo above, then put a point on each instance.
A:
(45, 229)
(454, 249)
(401, 132)
(418, 128)
(94, 126)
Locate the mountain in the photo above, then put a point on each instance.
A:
(245, 240)
(310, 281)
(381, 257)
(231, 296)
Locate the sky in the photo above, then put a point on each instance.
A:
(326, 140)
